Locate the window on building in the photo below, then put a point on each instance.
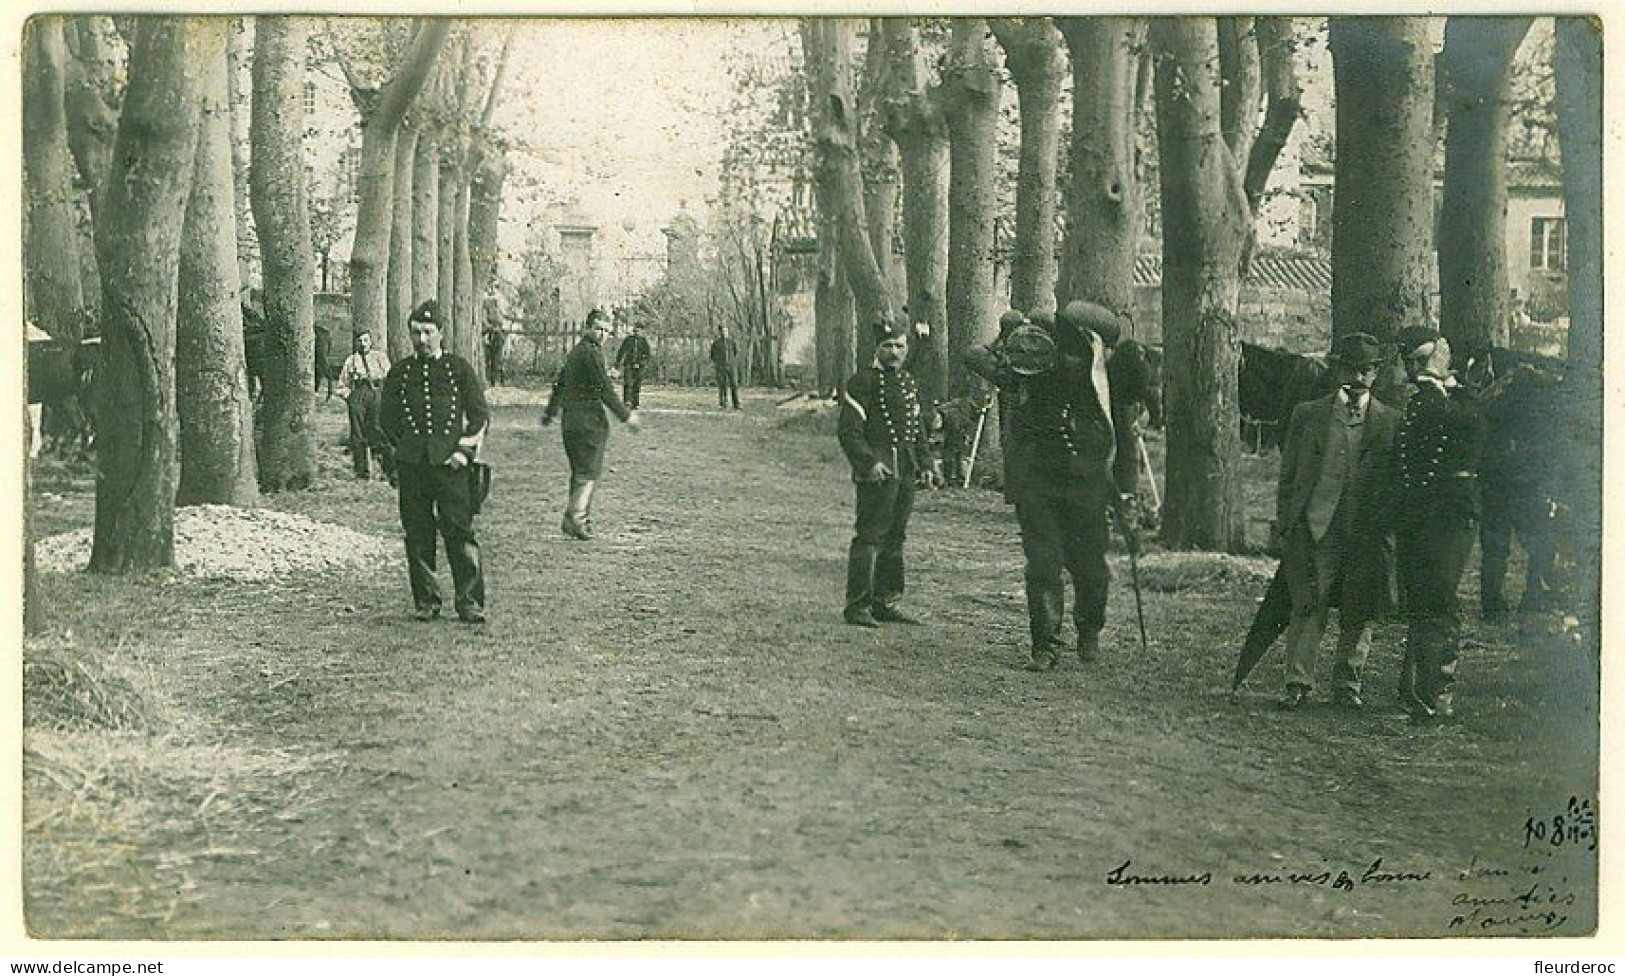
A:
(352, 168)
(310, 98)
(1548, 244)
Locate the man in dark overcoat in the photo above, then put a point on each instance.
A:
(433, 413)
(725, 360)
(884, 436)
(581, 392)
(1334, 502)
(1062, 451)
(1441, 439)
(630, 359)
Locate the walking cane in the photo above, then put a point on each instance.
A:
(1132, 540)
(976, 443)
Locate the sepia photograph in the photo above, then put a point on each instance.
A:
(843, 478)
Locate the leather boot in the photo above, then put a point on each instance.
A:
(584, 509)
(574, 524)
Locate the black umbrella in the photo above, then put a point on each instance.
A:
(1268, 624)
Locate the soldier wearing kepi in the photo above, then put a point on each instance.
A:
(434, 413)
(581, 392)
(1060, 453)
(884, 437)
(630, 359)
(1440, 441)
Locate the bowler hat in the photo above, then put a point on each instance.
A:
(1357, 349)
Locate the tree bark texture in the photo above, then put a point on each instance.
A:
(238, 103)
(1476, 72)
(913, 118)
(402, 240)
(837, 174)
(1032, 54)
(375, 206)
(425, 221)
(466, 337)
(484, 213)
(1382, 210)
(881, 166)
(1205, 229)
(1105, 217)
(1283, 100)
(1578, 67)
(211, 378)
(970, 98)
(91, 100)
(286, 449)
(55, 294)
(833, 314)
(446, 245)
(138, 245)
(1242, 91)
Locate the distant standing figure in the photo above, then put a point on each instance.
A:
(884, 437)
(581, 392)
(323, 360)
(496, 345)
(360, 380)
(630, 359)
(725, 357)
(434, 414)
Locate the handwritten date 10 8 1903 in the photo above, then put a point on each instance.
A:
(1576, 825)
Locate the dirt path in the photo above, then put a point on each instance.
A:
(669, 733)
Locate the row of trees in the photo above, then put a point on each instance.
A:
(138, 112)
(1222, 96)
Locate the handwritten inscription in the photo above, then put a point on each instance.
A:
(1575, 825)
(1344, 879)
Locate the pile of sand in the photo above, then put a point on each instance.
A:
(246, 544)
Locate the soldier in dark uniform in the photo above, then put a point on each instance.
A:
(1063, 463)
(630, 359)
(581, 392)
(1440, 441)
(433, 412)
(725, 358)
(884, 436)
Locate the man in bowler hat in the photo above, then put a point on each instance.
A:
(433, 411)
(1334, 507)
(884, 437)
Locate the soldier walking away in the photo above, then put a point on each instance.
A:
(581, 392)
(1063, 461)
(434, 414)
(630, 359)
(322, 359)
(1440, 441)
(1336, 493)
(496, 346)
(360, 378)
(884, 437)
(725, 357)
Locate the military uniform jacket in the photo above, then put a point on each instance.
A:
(1440, 442)
(584, 382)
(880, 421)
(428, 405)
(724, 352)
(634, 352)
(1060, 426)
